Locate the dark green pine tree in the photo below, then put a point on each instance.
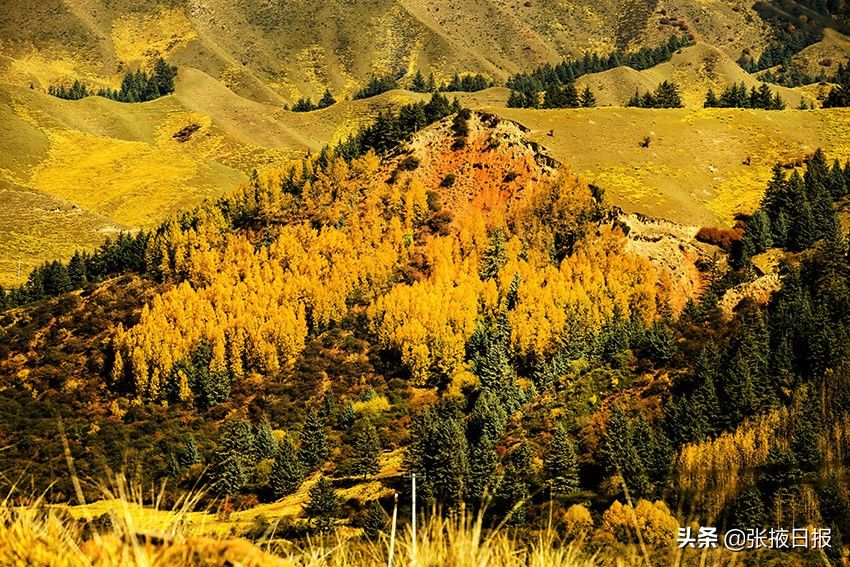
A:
(228, 474)
(483, 461)
(711, 99)
(780, 474)
(489, 354)
(512, 494)
(817, 170)
(265, 443)
(570, 96)
(77, 271)
(621, 457)
(757, 237)
(835, 509)
(494, 256)
(439, 449)
(837, 182)
(326, 100)
(56, 278)
(418, 84)
(375, 521)
(238, 438)
(322, 505)
(287, 473)
(748, 510)
(189, 455)
(667, 95)
(560, 464)
(806, 433)
(516, 100)
(707, 372)
(346, 417)
(431, 85)
(367, 450)
(4, 299)
(172, 467)
(487, 418)
(588, 99)
(328, 406)
(803, 230)
(314, 442)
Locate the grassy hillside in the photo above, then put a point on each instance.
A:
(695, 69)
(694, 170)
(278, 51)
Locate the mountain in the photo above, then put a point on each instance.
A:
(275, 51)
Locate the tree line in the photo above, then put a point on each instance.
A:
(839, 95)
(566, 96)
(126, 253)
(735, 96)
(307, 104)
(666, 95)
(136, 86)
(569, 70)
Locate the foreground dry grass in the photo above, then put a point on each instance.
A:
(42, 534)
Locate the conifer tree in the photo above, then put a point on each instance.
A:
(172, 467)
(560, 464)
(314, 442)
(495, 255)
(588, 99)
(711, 99)
(667, 96)
(483, 461)
(189, 455)
(367, 450)
(265, 444)
(488, 417)
(622, 457)
(418, 84)
(228, 474)
(326, 100)
(512, 494)
(287, 473)
(748, 511)
(77, 271)
(375, 521)
(439, 449)
(322, 505)
(346, 417)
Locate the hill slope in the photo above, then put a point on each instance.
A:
(695, 69)
(694, 170)
(275, 51)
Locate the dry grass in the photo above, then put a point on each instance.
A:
(693, 171)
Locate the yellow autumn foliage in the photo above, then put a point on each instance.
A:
(256, 302)
(648, 521)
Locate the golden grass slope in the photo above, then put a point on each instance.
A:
(825, 55)
(693, 171)
(695, 69)
(275, 51)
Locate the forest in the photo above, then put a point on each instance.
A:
(561, 374)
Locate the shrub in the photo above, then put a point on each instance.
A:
(725, 238)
